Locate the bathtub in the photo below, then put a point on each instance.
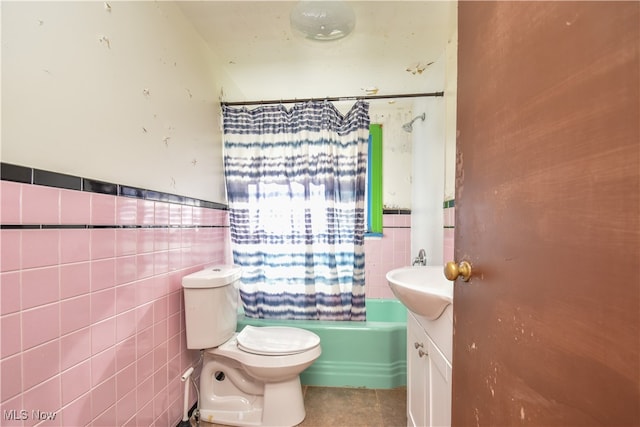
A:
(370, 354)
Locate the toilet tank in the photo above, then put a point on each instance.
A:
(210, 305)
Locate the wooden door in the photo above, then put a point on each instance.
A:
(547, 330)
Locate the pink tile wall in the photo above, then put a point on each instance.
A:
(91, 319)
(385, 253)
(393, 250)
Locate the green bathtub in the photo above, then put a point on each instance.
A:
(370, 354)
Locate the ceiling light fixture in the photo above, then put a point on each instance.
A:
(323, 20)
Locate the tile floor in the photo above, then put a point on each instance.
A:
(352, 407)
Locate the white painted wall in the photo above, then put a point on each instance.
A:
(451, 105)
(126, 95)
(74, 76)
(429, 139)
(428, 180)
(396, 149)
(434, 151)
(396, 153)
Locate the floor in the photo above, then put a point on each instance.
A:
(352, 407)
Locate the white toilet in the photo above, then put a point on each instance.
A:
(251, 378)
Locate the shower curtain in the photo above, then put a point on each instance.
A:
(295, 183)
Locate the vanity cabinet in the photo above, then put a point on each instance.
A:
(428, 378)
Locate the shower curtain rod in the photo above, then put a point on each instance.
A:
(335, 98)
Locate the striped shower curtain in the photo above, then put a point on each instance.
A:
(295, 184)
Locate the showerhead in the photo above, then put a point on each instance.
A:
(408, 127)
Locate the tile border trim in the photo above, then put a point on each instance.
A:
(26, 175)
(93, 227)
(396, 211)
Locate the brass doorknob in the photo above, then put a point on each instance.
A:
(452, 270)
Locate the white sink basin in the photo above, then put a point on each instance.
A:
(423, 290)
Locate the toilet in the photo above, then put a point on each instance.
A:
(250, 378)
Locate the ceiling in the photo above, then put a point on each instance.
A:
(390, 49)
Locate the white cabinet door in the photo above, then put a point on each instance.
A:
(428, 380)
(417, 375)
(439, 388)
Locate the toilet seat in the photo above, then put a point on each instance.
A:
(276, 340)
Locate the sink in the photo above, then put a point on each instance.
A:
(422, 289)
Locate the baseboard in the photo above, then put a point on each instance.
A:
(356, 374)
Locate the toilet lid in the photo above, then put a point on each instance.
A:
(276, 340)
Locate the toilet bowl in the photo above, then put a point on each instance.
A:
(250, 378)
(272, 353)
(247, 388)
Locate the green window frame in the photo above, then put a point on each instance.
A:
(374, 181)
